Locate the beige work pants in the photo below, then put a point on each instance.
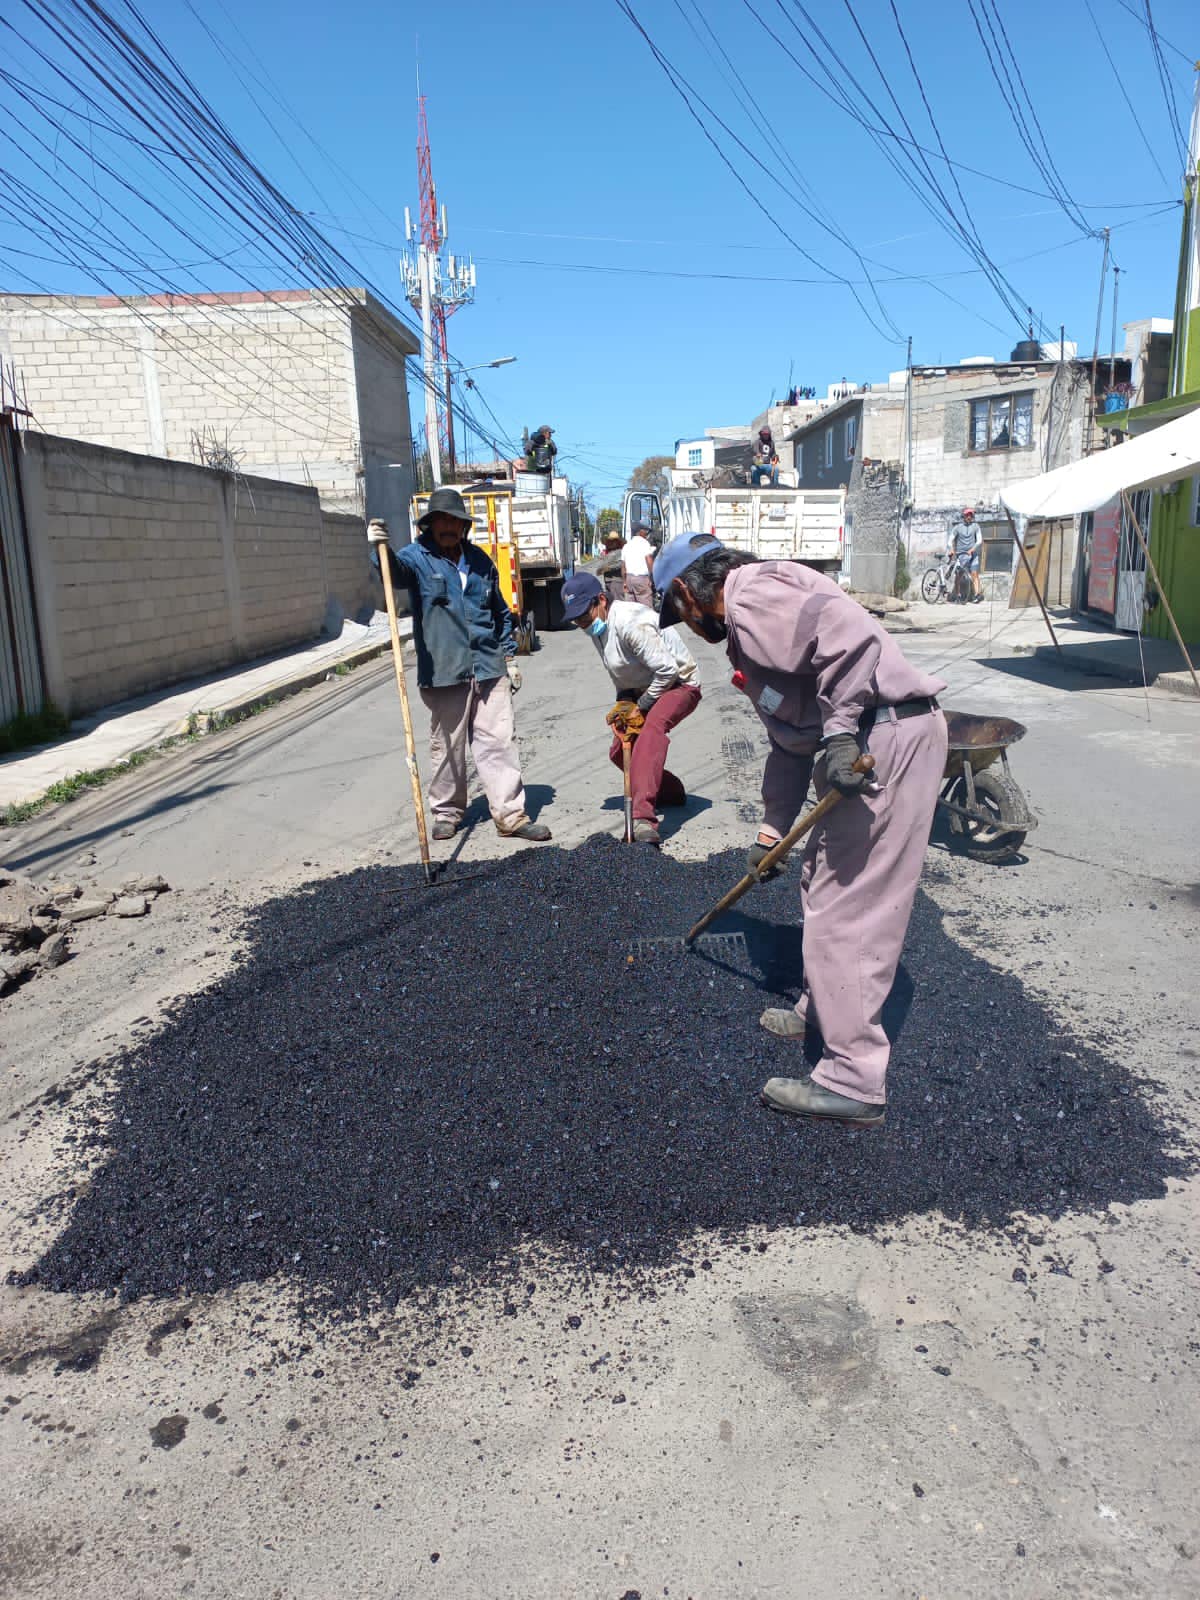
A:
(479, 717)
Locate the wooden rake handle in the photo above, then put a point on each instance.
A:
(865, 764)
(377, 535)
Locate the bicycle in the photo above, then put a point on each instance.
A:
(947, 581)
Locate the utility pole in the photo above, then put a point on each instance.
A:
(1096, 344)
(436, 290)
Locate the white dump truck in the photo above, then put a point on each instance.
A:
(783, 524)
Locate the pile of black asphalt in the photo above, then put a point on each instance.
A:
(401, 1089)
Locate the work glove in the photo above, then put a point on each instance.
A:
(625, 718)
(755, 855)
(514, 673)
(841, 752)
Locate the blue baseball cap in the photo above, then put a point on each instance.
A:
(579, 594)
(672, 561)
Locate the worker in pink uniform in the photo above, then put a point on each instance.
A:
(828, 683)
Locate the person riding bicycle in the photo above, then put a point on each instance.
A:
(966, 543)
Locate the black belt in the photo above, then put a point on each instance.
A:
(919, 706)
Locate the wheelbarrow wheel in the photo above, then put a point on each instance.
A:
(995, 839)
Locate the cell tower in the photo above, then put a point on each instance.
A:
(436, 288)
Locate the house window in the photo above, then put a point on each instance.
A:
(828, 447)
(851, 437)
(695, 455)
(1196, 502)
(1002, 422)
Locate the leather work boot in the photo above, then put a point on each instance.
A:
(443, 828)
(646, 833)
(783, 1022)
(801, 1097)
(535, 832)
(671, 792)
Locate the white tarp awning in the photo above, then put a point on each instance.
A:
(1161, 456)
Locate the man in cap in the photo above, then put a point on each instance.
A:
(609, 566)
(966, 543)
(542, 450)
(637, 567)
(828, 683)
(657, 683)
(466, 669)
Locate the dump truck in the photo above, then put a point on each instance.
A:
(779, 524)
(524, 523)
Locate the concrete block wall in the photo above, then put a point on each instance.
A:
(147, 571)
(352, 583)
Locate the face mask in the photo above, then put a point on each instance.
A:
(713, 629)
(598, 628)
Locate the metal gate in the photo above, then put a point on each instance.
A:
(21, 688)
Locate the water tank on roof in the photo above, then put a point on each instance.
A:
(1027, 350)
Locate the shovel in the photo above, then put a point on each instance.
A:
(626, 757)
(734, 944)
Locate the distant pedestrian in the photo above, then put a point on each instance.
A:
(609, 568)
(966, 545)
(466, 669)
(637, 567)
(657, 683)
(765, 461)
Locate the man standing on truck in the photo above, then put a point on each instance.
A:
(657, 683)
(827, 683)
(542, 451)
(966, 543)
(765, 461)
(637, 567)
(466, 669)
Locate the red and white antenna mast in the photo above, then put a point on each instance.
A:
(436, 287)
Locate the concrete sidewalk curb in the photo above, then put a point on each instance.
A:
(1176, 683)
(220, 716)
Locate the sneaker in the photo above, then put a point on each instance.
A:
(443, 828)
(801, 1097)
(782, 1021)
(646, 833)
(534, 832)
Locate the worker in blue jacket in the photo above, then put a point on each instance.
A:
(466, 669)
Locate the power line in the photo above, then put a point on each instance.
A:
(1137, 121)
(1160, 66)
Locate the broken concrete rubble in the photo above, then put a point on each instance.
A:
(37, 921)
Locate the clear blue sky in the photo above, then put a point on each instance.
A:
(559, 144)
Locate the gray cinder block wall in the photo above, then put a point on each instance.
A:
(147, 571)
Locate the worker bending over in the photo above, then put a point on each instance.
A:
(658, 684)
(466, 671)
(828, 683)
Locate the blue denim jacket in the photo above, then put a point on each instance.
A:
(459, 633)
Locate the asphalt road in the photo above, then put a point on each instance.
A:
(936, 1411)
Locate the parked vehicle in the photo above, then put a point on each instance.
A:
(783, 524)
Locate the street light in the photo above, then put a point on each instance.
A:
(500, 361)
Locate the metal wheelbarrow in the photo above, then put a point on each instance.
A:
(988, 815)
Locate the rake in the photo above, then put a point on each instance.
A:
(734, 944)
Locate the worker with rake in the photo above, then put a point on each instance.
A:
(828, 684)
(657, 683)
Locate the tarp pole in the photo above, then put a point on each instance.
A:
(1020, 543)
(1153, 571)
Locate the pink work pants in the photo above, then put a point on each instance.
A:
(857, 887)
(478, 716)
(648, 778)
